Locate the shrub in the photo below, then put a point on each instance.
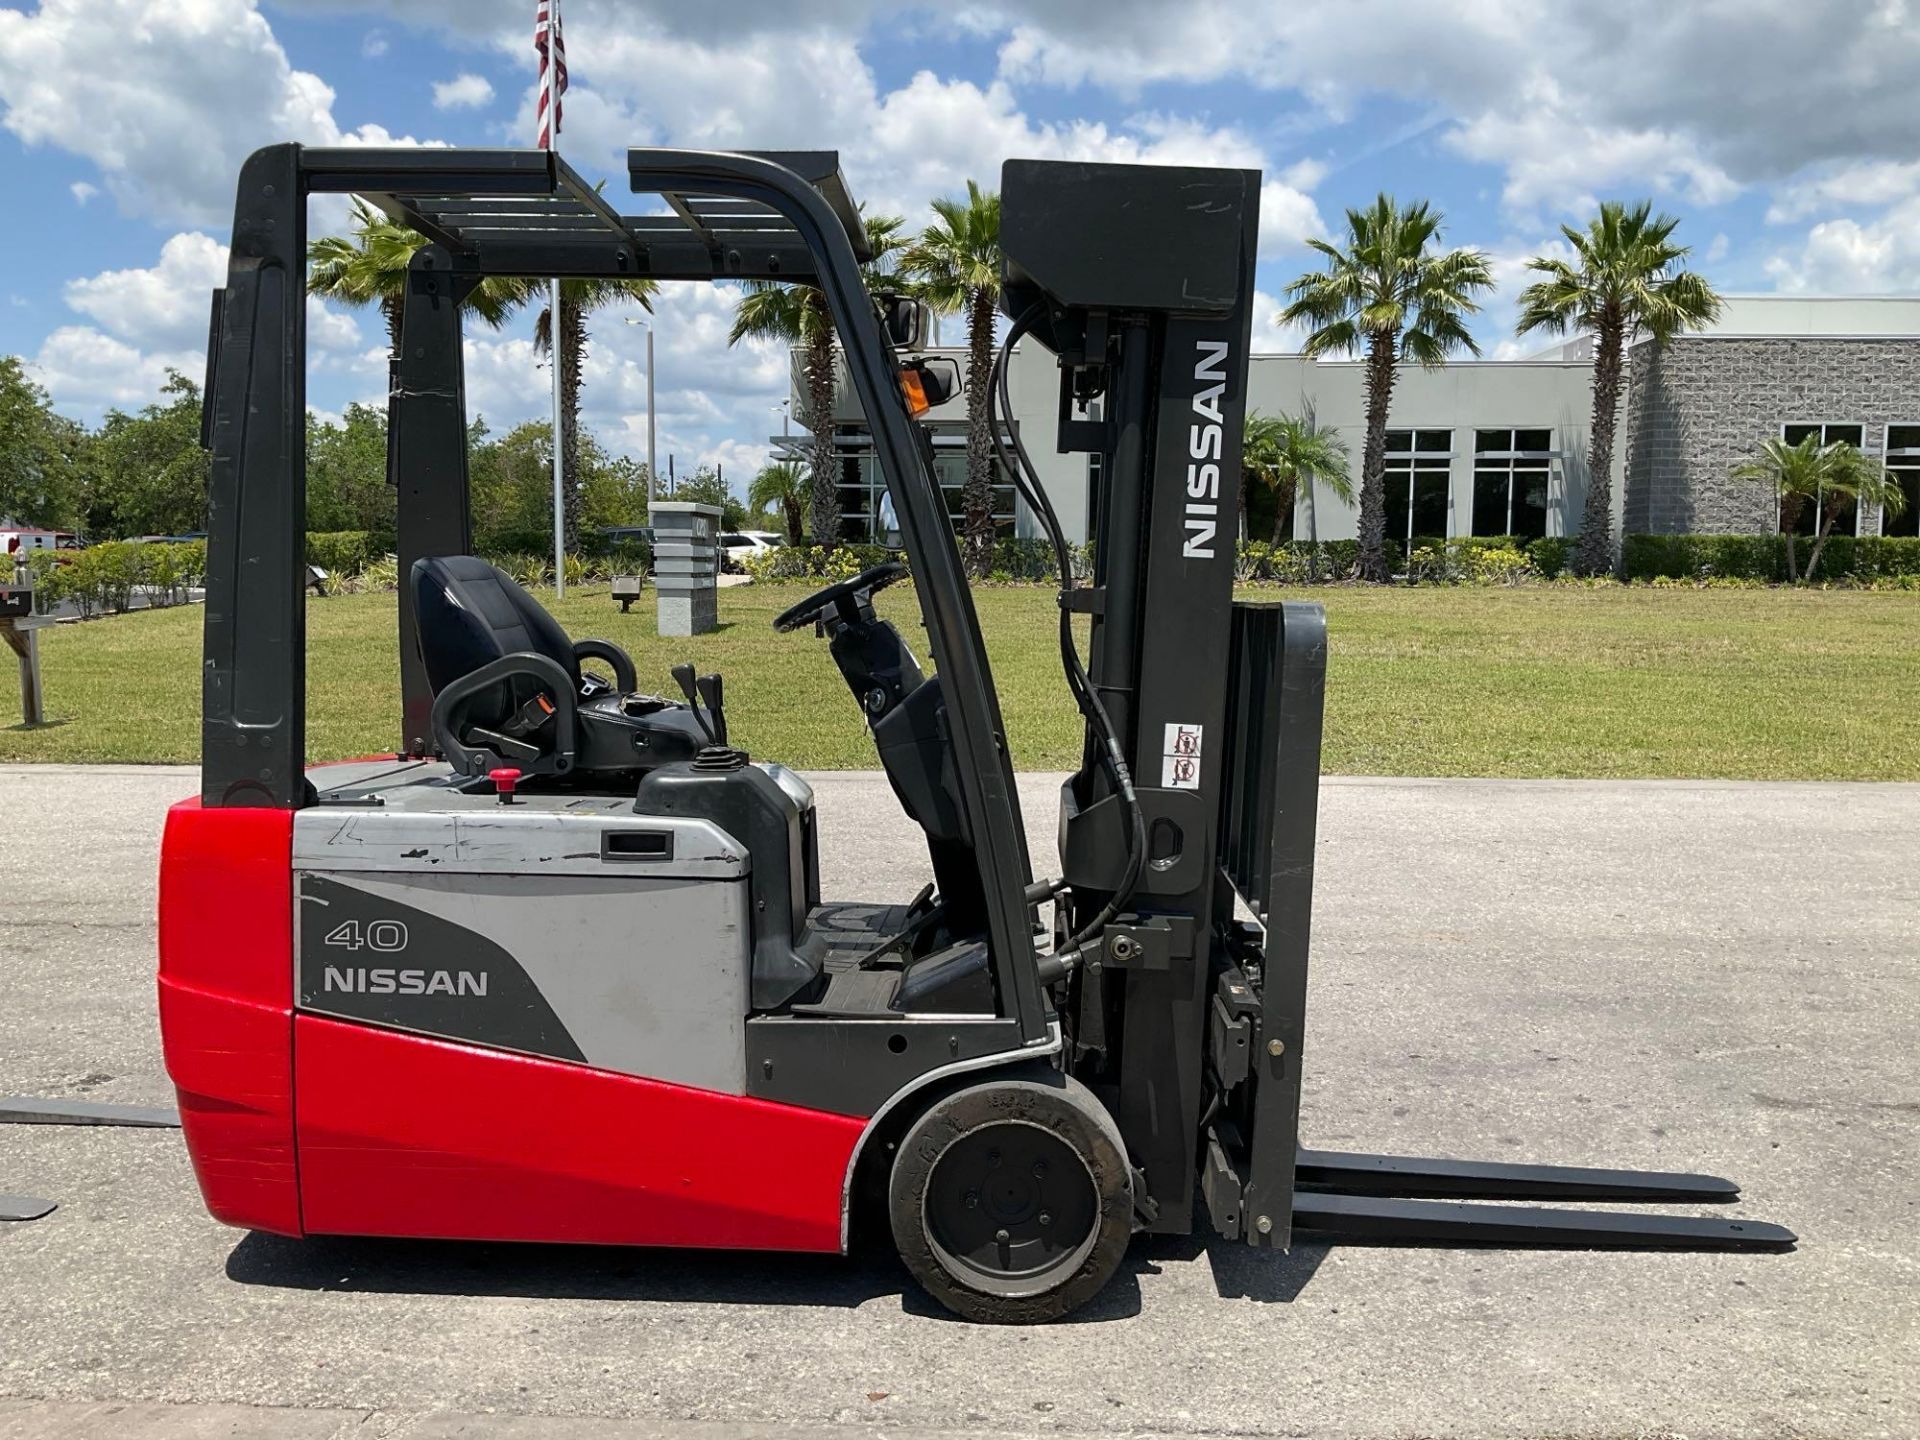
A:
(381, 574)
(814, 562)
(525, 567)
(574, 569)
(1763, 557)
(343, 554)
(1550, 554)
(1030, 560)
(1498, 565)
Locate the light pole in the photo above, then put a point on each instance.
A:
(648, 327)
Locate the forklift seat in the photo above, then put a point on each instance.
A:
(472, 615)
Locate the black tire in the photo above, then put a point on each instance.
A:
(1011, 1201)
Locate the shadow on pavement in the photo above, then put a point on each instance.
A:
(587, 1272)
(1239, 1271)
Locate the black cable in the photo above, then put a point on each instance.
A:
(1019, 465)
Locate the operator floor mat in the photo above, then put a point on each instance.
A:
(850, 930)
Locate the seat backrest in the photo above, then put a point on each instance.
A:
(470, 613)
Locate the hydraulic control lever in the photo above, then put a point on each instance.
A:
(712, 690)
(683, 677)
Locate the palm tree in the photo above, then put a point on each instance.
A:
(1798, 475)
(368, 266)
(786, 486)
(797, 314)
(1624, 285)
(1827, 476)
(1853, 479)
(1394, 293)
(956, 264)
(578, 297)
(1284, 452)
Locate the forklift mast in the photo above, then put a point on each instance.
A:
(1141, 280)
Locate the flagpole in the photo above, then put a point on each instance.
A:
(554, 328)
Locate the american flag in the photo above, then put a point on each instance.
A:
(559, 60)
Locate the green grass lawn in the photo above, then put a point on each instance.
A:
(1763, 684)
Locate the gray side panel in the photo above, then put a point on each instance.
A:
(643, 976)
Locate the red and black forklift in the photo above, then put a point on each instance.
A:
(558, 969)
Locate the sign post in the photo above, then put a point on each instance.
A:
(21, 627)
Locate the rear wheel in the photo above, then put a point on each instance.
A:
(1011, 1201)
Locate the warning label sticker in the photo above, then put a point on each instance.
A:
(1180, 760)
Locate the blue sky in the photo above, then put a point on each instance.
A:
(1779, 130)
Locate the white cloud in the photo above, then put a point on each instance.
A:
(901, 147)
(1555, 158)
(374, 45)
(1845, 187)
(1849, 256)
(82, 192)
(86, 370)
(464, 92)
(166, 100)
(164, 306)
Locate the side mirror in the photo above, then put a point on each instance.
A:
(908, 321)
(928, 383)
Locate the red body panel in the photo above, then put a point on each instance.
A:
(405, 1135)
(399, 1134)
(226, 1006)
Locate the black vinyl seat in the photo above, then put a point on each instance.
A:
(509, 688)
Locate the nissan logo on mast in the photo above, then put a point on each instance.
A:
(1204, 440)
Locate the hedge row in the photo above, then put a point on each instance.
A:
(1764, 557)
(348, 555)
(107, 577)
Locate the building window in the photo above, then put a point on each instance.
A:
(1808, 520)
(1512, 472)
(862, 485)
(1419, 464)
(1903, 468)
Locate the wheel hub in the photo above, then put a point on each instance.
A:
(1011, 1207)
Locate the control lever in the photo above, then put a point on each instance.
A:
(713, 692)
(683, 676)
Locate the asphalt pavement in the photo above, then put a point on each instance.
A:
(1721, 977)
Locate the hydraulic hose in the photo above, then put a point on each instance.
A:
(1019, 465)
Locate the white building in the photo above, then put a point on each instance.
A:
(1499, 447)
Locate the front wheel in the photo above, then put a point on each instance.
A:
(1011, 1200)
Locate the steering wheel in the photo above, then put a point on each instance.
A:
(842, 596)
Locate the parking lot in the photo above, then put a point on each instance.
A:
(1670, 975)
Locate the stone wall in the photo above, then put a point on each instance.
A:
(1700, 405)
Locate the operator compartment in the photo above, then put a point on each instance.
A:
(562, 925)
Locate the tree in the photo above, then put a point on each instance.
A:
(347, 475)
(1626, 284)
(783, 488)
(1392, 292)
(706, 486)
(148, 472)
(797, 314)
(512, 487)
(956, 266)
(578, 298)
(1827, 476)
(40, 453)
(368, 266)
(1284, 452)
(1852, 479)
